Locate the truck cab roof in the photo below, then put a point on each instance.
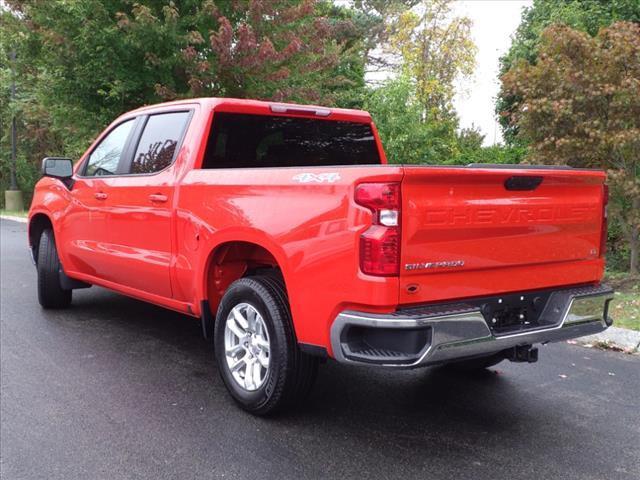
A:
(261, 107)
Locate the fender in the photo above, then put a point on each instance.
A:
(242, 234)
(52, 199)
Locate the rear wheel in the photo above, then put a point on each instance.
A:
(256, 349)
(50, 292)
(475, 364)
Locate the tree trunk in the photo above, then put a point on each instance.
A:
(634, 237)
(634, 247)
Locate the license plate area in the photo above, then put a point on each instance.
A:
(508, 314)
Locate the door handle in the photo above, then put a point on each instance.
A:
(100, 195)
(158, 197)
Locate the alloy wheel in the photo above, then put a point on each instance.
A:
(247, 347)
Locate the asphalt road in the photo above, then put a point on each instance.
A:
(115, 388)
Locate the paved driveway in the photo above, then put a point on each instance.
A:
(114, 388)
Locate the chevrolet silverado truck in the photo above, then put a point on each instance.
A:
(283, 229)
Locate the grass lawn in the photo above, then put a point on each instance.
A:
(625, 307)
(625, 310)
(14, 214)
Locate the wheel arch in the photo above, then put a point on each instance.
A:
(230, 260)
(38, 223)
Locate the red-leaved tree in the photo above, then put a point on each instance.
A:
(580, 106)
(265, 49)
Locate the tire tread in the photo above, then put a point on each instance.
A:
(50, 293)
(299, 369)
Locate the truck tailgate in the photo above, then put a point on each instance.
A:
(483, 231)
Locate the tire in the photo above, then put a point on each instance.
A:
(476, 364)
(50, 293)
(290, 374)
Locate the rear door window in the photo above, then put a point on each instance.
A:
(249, 141)
(159, 142)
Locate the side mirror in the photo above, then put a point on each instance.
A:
(57, 167)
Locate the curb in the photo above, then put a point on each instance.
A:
(14, 219)
(613, 338)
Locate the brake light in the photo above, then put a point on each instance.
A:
(605, 222)
(380, 243)
(318, 112)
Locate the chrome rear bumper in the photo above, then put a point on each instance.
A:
(443, 333)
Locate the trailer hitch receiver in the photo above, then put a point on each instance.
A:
(522, 353)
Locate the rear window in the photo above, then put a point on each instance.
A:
(247, 141)
(157, 146)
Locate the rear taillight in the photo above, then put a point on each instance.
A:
(380, 243)
(603, 231)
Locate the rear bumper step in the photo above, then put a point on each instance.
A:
(442, 333)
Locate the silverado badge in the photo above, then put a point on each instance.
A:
(426, 265)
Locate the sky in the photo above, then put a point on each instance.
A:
(494, 21)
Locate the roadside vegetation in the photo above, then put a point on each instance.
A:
(13, 214)
(625, 307)
(626, 310)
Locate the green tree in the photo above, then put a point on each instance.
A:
(427, 49)
(471, 150)
(81, 67)
(406, 135)
(373, 19)
(435, 49)
(579, 105)
(80, 64)
(33, 121)
(470, 138)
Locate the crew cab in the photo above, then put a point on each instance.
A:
(283, 229)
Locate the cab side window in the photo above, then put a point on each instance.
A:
(157, 146)
(105, 158)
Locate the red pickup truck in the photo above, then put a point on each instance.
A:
(284, 230)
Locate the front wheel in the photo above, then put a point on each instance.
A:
(50, 292)
(256, 350)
